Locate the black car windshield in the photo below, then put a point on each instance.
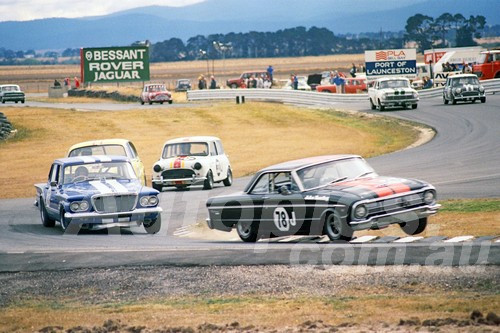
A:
(394, 84)
(330, 172)
(185, 149)
(95, 171)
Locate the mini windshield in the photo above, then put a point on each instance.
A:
(10, 88)
(457, 82)
(96, 171)
(185, 149)
(331, 172)
(394, 84)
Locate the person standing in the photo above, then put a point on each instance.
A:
(77, 83)
(353, 70)
(339, 82)
(270, 71)
(202, 84)
(213, 83)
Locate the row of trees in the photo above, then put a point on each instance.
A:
(429, 32)
(293, 42)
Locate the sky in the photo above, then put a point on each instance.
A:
(24, 10)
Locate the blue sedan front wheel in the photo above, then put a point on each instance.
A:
(152, 227)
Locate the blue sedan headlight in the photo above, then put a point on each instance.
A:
(79, 206)
(149, 201)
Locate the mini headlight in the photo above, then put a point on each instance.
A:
(144, 201)
(481, 88)
(415, 95)
(157, 168)
(384, 95)
(429, 197)
(360, 211)
(197, 166)
(75, 206)
(84, 205)
(153, 200)
(458, 90)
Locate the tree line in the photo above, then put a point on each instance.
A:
(446, 30)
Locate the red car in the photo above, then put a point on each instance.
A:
(155, 93)
(240, 82)
(352, 86)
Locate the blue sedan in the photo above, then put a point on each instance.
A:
(97, 192)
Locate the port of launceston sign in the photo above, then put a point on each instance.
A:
(114, 64)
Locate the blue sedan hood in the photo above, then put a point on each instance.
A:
(106, 186)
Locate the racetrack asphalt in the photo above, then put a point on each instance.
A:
(461, 161)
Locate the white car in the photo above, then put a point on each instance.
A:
(392, 92)
(302, 84)
(196, 160)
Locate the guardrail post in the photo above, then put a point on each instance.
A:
(242, 99)
(237, 99)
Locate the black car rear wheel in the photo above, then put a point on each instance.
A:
(337, 228)
(248, 231)
(414, 227)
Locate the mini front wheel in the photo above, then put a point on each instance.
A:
(209, 182)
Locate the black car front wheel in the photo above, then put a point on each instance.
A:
(337, 228)
(414, 227)
(248, 231)
(153, 227)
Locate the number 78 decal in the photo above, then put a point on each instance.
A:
(282, 221)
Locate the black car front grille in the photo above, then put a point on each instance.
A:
(177, 174)
(114, 203)
(394, 204)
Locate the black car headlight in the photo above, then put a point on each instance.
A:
(360, 211)
(149, 201)
(429, 196)
(79, 206)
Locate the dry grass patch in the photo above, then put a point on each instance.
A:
(359, 307)
(255, 135)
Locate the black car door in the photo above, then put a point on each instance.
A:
(284, 209)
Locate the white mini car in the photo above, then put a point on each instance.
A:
(392, 92)
(197, 160)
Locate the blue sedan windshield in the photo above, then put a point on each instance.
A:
(95, 171)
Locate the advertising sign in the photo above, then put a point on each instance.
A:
(114, 64)
(402, 62)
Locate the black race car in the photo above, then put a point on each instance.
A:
(333, 195)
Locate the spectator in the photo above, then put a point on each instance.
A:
(466, 68)
(267, 82)
(57, 84)
(66, 82)
(339, 83)
(202, 84)
(260, 81)
(453, 68)
(270, 71)
(77, 83)
(213, 83)
(427, 83)
(353, 70)
(362, 68)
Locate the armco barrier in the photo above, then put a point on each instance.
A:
(6, 128)
(308, 97)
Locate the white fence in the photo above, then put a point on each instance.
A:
(308, 97)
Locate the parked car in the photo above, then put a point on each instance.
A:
(197, 160)
(463, 87)
(333, 195)
(155, 93)
(11, 93)
(97, 192)
(182, 85)
(352, 86)
(116, 147)
(302, 84)
(392, 92)
(240, 82)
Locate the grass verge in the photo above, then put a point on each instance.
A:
(255, 135)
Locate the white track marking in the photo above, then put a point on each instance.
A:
(409, 239)
(363, 239)
(458, 239)
(289, 239)
(323, 239)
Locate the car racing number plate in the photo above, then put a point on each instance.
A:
(282, 220)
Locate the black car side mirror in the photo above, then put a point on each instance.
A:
(284, 190)
(53, 183)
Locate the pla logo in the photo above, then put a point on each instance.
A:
(88, 55)
(390, 55)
